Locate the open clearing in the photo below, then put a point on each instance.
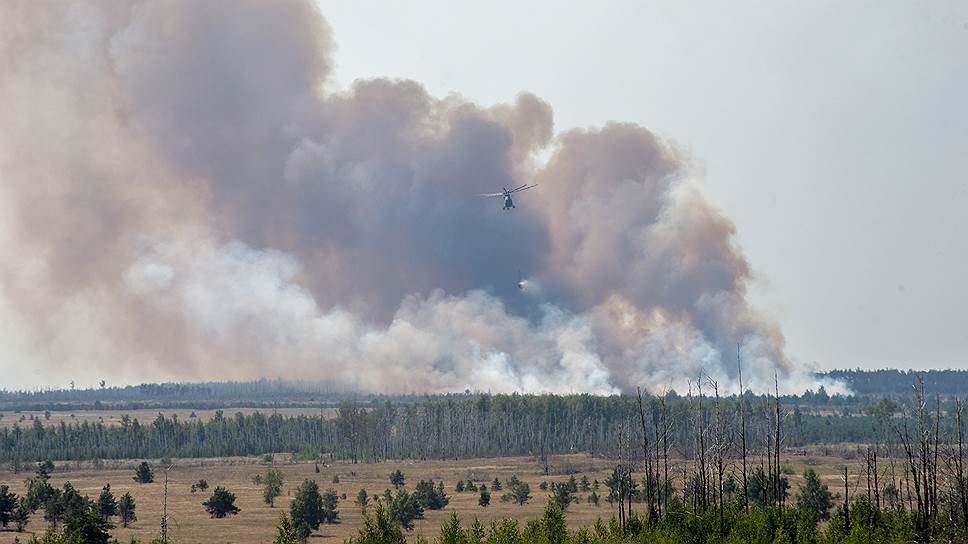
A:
(256, 522)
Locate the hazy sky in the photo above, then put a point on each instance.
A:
(835, 134)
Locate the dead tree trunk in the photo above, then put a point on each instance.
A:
(701, 438)
(742, 428)
(648, 463)
(665, 456)
(960, 466)
(776, 442)
(846, 503)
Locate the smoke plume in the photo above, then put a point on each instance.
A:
(186, 196)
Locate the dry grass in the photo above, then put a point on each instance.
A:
(256, 522)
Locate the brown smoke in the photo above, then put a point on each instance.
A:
(185, 197)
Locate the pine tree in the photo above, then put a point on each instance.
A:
(403, 508)
(485, 498)
(126, 509)
(330, 503)
(429, 496)
(477, 533)
(106, 504)
(451, 531)
(397, 479)
(307, 509)
(44, 469)
(85, 524)
(553, 523)
(144, 474)
(221, 503)
(287, 532)
(362, 499)
(521, 493)
(272, 486)
(561, 493)
(814, 496)
(8, 502)
(21, 515)
(379, 527)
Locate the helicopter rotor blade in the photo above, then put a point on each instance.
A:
(523, 187)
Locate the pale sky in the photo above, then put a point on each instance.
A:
(834, 134)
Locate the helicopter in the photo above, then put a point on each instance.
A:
(508, 203)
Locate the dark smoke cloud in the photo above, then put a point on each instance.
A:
(185, 196)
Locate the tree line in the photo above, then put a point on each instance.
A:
(289, 393)
(440, 428)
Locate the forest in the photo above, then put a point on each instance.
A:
(286, 393)
(438, 428)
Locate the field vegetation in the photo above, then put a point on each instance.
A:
(704, 467)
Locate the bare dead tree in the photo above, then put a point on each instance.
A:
(934, 464)
(846, 502)
(620, 473)
(655, 480)
(629, 468)
(867, 464)
(742, 428)
(960, 465)
(776, 442)
(666, 427)
(722, 445)
(701, 450)
(648, 464)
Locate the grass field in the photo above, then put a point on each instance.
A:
(255, 524)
